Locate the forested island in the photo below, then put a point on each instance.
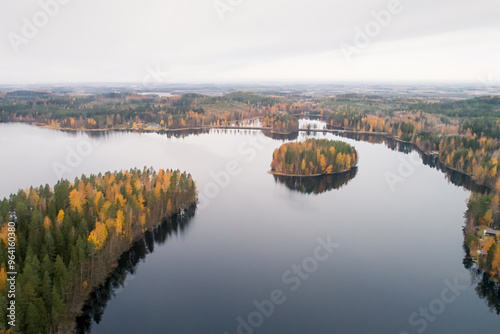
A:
(313, 157)
(281, 123)
(68, 239)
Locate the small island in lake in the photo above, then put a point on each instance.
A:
(281, 123)
(313, 157)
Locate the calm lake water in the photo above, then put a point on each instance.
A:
(398, 248)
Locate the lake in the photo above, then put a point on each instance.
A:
(377, 251)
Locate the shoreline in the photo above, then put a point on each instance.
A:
(78, 312)
(421, 150)
(312, 175)
(284, 133)
(80, 298)
(210, 127)
(203, 127)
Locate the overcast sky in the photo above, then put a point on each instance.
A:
(249, 40)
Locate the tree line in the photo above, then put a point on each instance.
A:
(134, 111)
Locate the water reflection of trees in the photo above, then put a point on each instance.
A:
(489, 291)
(392, 144)
(455, 177)
(102, 134)
(279, 136)
(127, 264)
(317, 184)
(485, 287)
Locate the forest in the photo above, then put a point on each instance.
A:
(464, 146)
(482, 247)
(69, 237)
(476, 107)
(128, 111)
(313, 157)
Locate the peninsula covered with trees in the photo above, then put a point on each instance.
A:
(68, 239)
(129, 111)
(313, 157)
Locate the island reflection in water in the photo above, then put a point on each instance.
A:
(95, 305)
(317, 184)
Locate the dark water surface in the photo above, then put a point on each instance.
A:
(398, 248)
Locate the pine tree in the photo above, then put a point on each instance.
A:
(58, 312)
(60, 274)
